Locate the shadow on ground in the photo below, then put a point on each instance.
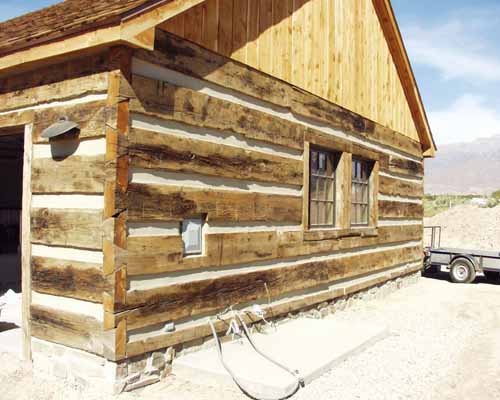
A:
(443, 276)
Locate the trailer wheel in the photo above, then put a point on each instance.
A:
(462, 271)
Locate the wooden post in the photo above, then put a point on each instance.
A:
(26, 241)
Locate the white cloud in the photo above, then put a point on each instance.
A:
(465, 120)
(457, 48)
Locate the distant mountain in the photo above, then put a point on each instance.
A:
(465, 168)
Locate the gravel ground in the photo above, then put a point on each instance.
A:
(469, 226)
(443, 345)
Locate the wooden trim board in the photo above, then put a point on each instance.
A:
(26, 241)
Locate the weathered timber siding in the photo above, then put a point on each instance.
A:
(212, 137)
(68, 176)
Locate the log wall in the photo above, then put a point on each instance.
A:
(69, 177)
(176, 133)
(211, 137)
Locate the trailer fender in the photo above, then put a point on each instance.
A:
(468, 257)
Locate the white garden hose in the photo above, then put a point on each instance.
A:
(295, 374)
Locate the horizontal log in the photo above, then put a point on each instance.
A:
(92, 119)
(193, 60)
(150, 307)
(69, 329)
(170, 152)
(166, 101)
(67, 227)
(155, 255)
(274, 309)
(16, 121)
(79, 280)
(68, 89)
(149, 255)
(171, 203)
(73, 174)
(334, 143)
(397, 187)
(86, 65)
(400, 210)
(397, 165)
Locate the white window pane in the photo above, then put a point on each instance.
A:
(192, 236)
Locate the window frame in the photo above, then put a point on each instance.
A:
(332, 178)
(369, 200)
(344, 152)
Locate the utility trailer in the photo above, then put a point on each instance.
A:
(462, 265)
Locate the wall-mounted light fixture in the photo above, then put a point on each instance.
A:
(64, 125)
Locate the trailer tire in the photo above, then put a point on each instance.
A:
(462, 271)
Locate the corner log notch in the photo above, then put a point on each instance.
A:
(116, 186)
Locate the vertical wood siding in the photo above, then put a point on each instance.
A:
(335, 49)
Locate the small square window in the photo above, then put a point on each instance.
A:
(192, 236)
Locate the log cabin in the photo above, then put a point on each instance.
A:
(220, 153)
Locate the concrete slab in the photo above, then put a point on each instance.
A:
(308, 345)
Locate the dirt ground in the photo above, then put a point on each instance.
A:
(469, 227)
(443, 345)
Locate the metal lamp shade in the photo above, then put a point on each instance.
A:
(64, 125)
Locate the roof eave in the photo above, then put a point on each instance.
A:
(394, 39)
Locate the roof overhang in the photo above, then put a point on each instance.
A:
(396, 45)
(137, 29)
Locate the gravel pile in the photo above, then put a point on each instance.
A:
(469, 227)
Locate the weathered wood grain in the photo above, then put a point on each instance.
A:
(400, 210)
(69, 89)
(149, 255)
(163, 100)
(292, 243)
(174, 302)
(66, 227)
(92, 119)
(193, 60)
(334, 143)
(73, 174)
(170, 152)
(172, 203)
(300, 302)
(397, 165)
(60, 71)
(154, 255)
(15, 121)
(79, 280)
(69, 329)
(397, 187)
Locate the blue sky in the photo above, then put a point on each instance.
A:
(454, 54)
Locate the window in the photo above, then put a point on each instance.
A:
(322, 189)
(342, 183)
(360, 192)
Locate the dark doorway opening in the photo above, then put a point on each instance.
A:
(11, 194)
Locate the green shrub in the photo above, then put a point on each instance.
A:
(496, 195)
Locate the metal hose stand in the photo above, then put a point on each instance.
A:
(300, 381)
